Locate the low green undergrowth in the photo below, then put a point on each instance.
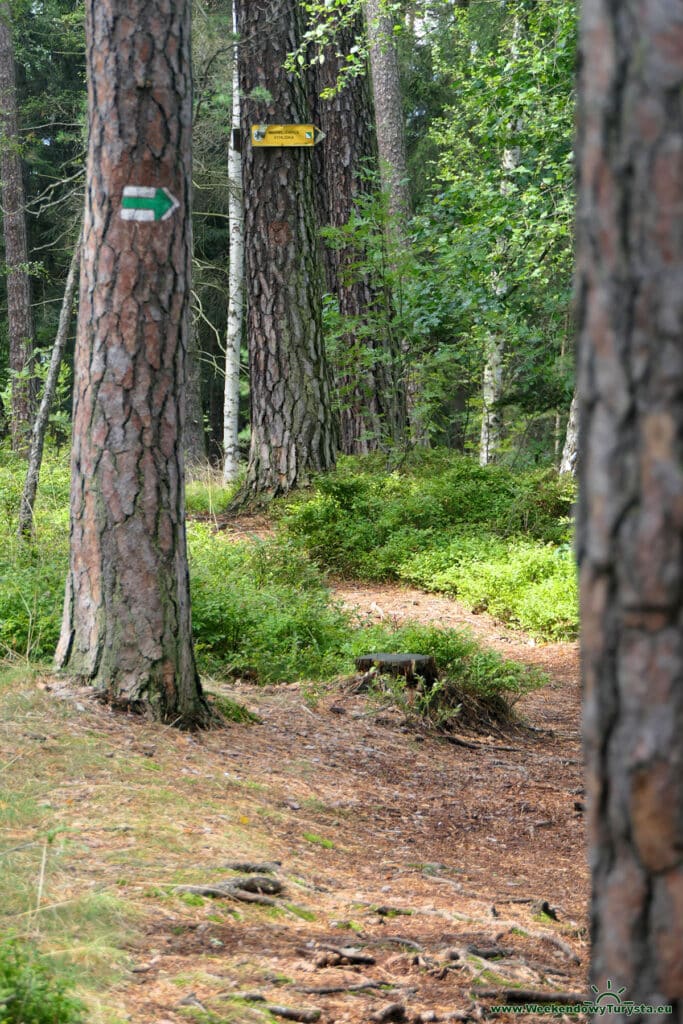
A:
(475, 685)
(496, 540)
(31, 992)
(205, 492)
(262, 609)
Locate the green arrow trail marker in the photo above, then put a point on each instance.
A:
(141, 202)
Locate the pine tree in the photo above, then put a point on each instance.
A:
(126, 623)
(630, 521)
(292, 428)
(372, 400)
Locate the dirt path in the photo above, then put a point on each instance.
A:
(430, 860)
(555, 707)
(433, 859)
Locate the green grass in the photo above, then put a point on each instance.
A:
(205, 492)
(317, 840)
(262, 609)
(493, 539)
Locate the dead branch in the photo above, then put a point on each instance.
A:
(327, 990)
(393, 1011)
(531, 995)
(306, 1016)
(350, 954)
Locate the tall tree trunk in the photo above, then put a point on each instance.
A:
(630, 520)
(233, 341)
(19, 311)
(372, 400)
(489, 438)
(391, 144)
(570, 450)
(492, 384)
(386, 90)
(28, 497)
(292, 427)
(126, 622)
(194, 438)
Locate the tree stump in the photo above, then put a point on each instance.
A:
(407, 665)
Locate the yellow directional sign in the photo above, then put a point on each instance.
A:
(285, 135)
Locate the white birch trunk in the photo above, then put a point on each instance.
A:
(236, 289)
(28, 496)
(571, 441)
(492, 385)
(489, 441)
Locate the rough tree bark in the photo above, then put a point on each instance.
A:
(371, 397)
(292, 427)
(386, 91)
(126, 624)
(35, 457)
(233, 340)
(630, 520)
(19, 311)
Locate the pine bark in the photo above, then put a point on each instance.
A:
(630, 519)
(293, 432)
(19, 312)
(371, 397)
(391, 144)
(126, 624)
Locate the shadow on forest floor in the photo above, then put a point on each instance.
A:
(414, 872)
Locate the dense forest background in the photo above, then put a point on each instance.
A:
(477, 285)
(376, 386)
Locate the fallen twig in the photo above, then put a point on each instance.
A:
(557, 942)
(230, 892)
(399, 940)
(350, 954)
(530, 995)
(394, 1011)
(460, 743)
(292, 1013)
(250, 868)
(327, 990)
(306, 1016)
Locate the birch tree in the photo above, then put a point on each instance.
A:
(233, 342)
(39, 429)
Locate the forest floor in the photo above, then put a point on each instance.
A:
(414, 871)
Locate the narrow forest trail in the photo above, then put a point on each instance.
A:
(405, 847)
(426, 863)
(431, 859)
